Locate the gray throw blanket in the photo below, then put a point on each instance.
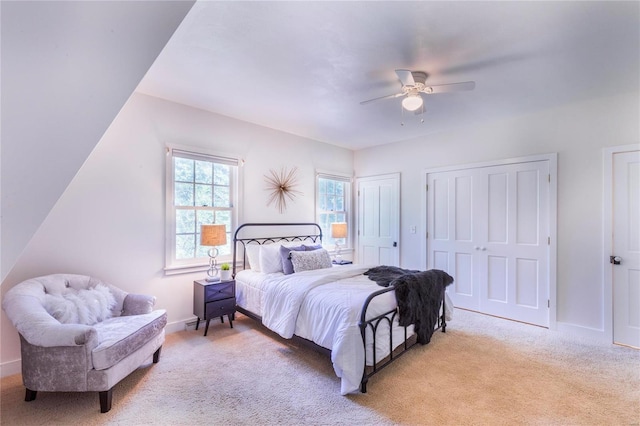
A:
(384, 275)
(418, 295)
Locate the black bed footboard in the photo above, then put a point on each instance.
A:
(386, 320)
(254, 233)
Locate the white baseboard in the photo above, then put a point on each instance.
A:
(181, 325)
(584, 333)
(10, 368)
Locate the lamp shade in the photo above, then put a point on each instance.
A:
(339, 230)
(213, 235)
(412, 102)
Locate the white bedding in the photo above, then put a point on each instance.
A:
(323, 306)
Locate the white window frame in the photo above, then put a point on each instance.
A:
(326, 233)
(175, 266)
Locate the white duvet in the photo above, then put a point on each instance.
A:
(324, 306)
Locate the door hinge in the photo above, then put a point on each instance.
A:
(549, 178)
(548, 241)
(427, 187)
(548, 303)
(358, 192)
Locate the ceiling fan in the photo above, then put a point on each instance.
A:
(413, 84)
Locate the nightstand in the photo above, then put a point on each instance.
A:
(214, 299)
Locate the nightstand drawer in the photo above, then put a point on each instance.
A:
(219, 291)
(213, 300)
(220, 308)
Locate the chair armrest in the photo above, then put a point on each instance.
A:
(137, 304)
(39, 328)
(53, 335)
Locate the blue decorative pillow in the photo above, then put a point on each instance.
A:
(287, 266)
(312, 247)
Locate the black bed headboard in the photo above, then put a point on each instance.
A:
(268, 233)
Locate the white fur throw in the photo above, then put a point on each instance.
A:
(84, 306)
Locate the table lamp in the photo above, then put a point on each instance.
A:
(338, 231)
(213, 235)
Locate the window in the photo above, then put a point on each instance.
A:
(201, 190)
(333, 195)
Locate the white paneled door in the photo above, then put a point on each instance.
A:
(489, 228)
(626, 248)
(379, 220)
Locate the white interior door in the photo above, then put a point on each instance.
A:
(379, 220)
(514, 250)
(489, 228)
(626, 246)
(452, 242)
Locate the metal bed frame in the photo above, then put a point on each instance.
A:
(386, 318)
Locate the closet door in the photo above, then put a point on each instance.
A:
(489, 228)
(514, 248)
(452, 234)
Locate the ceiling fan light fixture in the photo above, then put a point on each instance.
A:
(412, 102)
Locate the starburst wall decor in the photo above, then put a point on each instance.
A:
(281, 184)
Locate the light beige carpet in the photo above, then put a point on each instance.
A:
(483, 371)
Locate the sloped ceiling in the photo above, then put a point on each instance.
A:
(304, 67)
(67, 69)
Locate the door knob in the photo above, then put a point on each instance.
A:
(616, 260)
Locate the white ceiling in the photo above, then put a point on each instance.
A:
(304, 67)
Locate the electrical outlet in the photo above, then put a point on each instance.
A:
(412, 229)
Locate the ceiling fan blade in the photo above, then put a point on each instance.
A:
(452, 87)
(381, 97)
(483, 64)
(406, 78)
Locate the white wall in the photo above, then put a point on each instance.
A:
(109, 223)
(577, 132)
(61, 89)
(67, 69)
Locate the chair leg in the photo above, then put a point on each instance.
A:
(105, 400)
(156, 355)
(30, 395)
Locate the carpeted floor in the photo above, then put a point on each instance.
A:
(483, 371)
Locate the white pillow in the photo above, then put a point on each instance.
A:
(310, 260)
(253, 256)
(84, 306)
(270, 260)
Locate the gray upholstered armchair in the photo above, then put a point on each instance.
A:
(79, 334)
